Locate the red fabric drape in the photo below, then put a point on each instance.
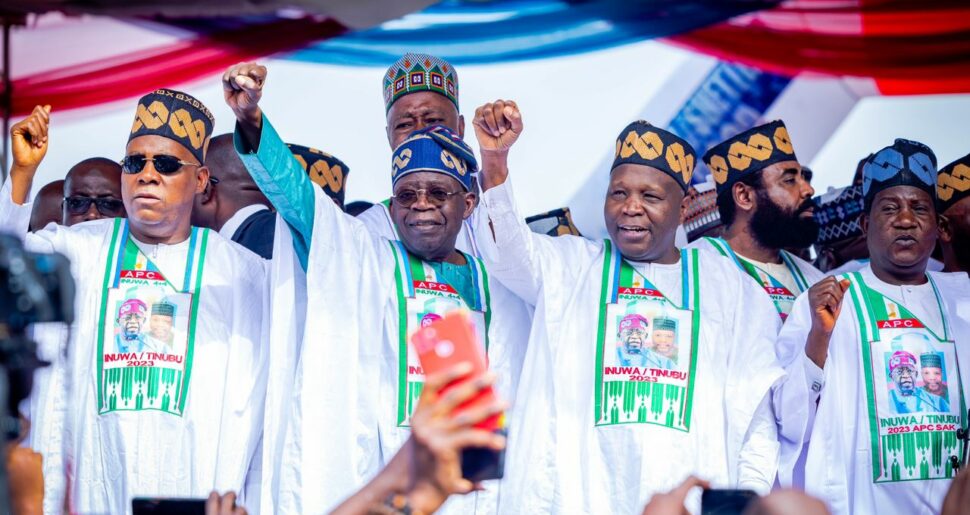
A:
(908, 47)
(140, 72)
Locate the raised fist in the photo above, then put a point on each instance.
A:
(497, 126)
(242, 86)
(825, 298)
(29, 139)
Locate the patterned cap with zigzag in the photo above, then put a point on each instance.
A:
(177, 116)
(953, 183)
(840, 218)
(753, 150)
(420, 72)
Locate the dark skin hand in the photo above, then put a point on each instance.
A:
(427, 230)
(418, 110)
(28, 144)
(160, 206)
(643, 208)
(957, 500)
(672, 502)
(787, 186)
(223, 505)
(825, 298)
(901, 229)
(955, 237)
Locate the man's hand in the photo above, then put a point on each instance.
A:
(497, 127)
(825, 299)
(672, 502)
(26, 473)
(439, 434)
(242, 86)
(29, 146)
(224, 505)
(957, 500)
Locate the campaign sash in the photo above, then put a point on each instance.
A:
(914, 397)
(146, 329)
(422, 298)
(646, 346)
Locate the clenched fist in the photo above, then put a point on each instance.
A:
(29, 139)
(242, 86)
(497, 126)
(825, 299)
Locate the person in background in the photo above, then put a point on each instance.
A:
(953, 196)
(357, 207)
(47, 206)
(558, 222)
(324, 170)
(92, 191)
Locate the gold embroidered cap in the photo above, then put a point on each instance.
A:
(643, 144)
(177, 116)
(748, 152)
(953, 183)
(324, 170)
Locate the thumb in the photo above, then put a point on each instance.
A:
(515, 118)
(844, 284)
(47, 108)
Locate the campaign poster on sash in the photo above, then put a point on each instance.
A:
(917, 402)
(646, 363)
(144, 351)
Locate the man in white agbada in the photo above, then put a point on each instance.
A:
(143, 423)
(358, 378)
(595, 435)
(876, 442)
(765, 203)
(420, 90)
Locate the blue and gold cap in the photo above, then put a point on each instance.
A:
(643, 144)
(904, 163)
(420, 72)
(434, 149)
(746, 153)
(953, 183)
(324, 169)
(177, 116)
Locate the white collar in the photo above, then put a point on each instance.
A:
(232, 224)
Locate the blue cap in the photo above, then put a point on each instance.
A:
(434, 149)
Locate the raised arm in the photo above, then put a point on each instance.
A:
(516, 256)
(267, 158)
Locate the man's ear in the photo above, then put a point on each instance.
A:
(744, 196)
(864, 223)
(946, 229)
(461, 126)
(471, 200)
(201, 179)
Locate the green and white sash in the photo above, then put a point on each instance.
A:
(646, 346)
(782, 297)
(146, 330)
(423, 297)
(914, 396)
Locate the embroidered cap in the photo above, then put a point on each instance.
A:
(634, 321)
(904, 163)
(643, 144)
(558, 222)
(664, 324)
(839, 215)
(746, 153)
(930, 360)
(901, 358)
(420, 72)
(324, 170)
(434, 149)
(163, 308)
(701, 214)
(132, 306)
(953, 183)
(177, 116)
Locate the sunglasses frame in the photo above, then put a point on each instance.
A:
(97, 201)
(145, 159)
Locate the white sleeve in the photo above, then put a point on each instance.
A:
(795, 400)
(520, 258)
(15, 219)
(758, 459)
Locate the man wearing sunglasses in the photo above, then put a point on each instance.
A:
(92, 191)
(358, 377)
(200, 404)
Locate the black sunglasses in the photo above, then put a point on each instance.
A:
(164, 164)
(436, 196)
(78, 205)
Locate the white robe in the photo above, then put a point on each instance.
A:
(112, 458)
(560, 462)
(838, 464)
(344, 412)
(779, 271)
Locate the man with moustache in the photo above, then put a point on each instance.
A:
(211, 405)
(358, 377)
(765, 201)
(860, 457)
(953, 196)
(590, 438)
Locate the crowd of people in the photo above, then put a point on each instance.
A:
(240, 329)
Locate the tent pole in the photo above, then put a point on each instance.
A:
(7, 98)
